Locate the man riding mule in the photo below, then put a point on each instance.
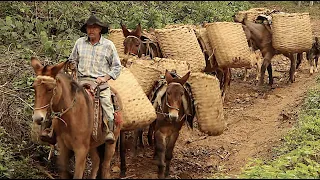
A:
(70, 108)
(97, 62)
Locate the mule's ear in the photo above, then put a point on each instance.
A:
(168, 76)
(184, 78)
(37, 66)
(124, 30)
(55, 69)
(138, 30)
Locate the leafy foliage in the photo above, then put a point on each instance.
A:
(51, 28)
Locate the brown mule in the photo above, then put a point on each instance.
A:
(174, 106)
(57, 95)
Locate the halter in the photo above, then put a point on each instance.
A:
(147, 42)
(170, 107)
(51, 113)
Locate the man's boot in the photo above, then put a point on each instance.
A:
(110, 136)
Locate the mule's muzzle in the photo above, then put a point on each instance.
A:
(38, 118)
(173, 117)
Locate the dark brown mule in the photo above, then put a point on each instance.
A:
(59, 95)
(312, 56)
(174, 105)
(261, 35)
(138, 43)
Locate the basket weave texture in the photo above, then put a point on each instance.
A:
(145, 74)
(137, 110)
(181, 44)
(209, 107)
(204, 36)
(181, 67)
(230, 44)
(291, 32)
(116, 36)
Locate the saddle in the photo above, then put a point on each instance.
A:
(93, 91)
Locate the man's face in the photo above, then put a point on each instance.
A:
(93, 31)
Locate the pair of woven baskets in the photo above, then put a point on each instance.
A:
(229, 44)
(291, 32)
(137, 110)
(180, 43)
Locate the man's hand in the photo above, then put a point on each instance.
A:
(104, 79)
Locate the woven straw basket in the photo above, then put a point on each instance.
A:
(181, 44)
(163, 64)
(291, 32)
(116, 36)
(137, 110)
(145, 74)
(230, 44)
(208, 103)
(202, 32)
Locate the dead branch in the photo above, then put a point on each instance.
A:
(17, 97)
(41, 169)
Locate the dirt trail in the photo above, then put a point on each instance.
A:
(257, 118)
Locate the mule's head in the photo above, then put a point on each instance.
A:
(132, 42)
(44, 86)
(174, 94)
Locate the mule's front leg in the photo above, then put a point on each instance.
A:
(80, 162)
(246, 75)
(95, 163)
(108, 154)
(169, 151)
(63, 161)
(123, 167)
(266, 62)
(292, 67)
(160, 150)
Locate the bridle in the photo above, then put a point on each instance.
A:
(170, 107)
(147, 42)
(50, 113)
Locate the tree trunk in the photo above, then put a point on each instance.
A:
(299, 3)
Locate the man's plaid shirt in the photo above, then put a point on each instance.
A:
(96, 60)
